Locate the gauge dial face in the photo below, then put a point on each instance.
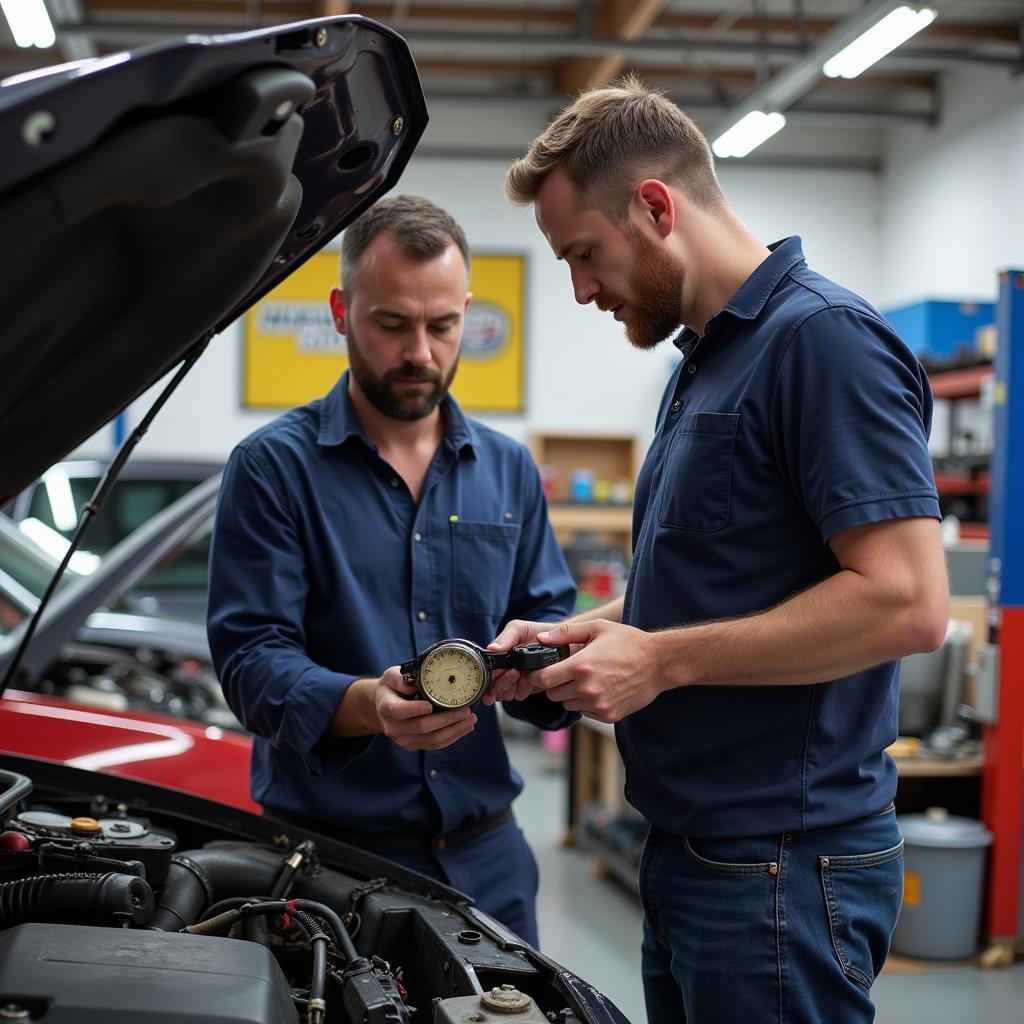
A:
(453, 676)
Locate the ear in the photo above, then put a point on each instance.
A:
(338, 309)
(656, 205)
(469, 299)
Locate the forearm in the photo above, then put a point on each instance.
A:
(356, 714)
(836, 628)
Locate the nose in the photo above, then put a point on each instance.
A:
(417, 351)
(585, 288)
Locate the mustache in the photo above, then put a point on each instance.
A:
(607, 303)
(410, 372)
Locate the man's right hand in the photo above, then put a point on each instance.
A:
(413, 724)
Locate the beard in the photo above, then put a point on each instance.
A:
(657, 286)
(388, 395)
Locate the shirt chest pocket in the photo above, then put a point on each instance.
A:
(697, 481)
(483, 563)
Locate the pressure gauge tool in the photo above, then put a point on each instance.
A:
(456, 673)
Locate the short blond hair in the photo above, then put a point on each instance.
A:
(608, 140)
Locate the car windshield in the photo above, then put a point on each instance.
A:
(25, 572)
(130, 504)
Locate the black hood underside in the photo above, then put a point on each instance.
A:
(148, 199)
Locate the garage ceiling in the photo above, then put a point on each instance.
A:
(708, 55)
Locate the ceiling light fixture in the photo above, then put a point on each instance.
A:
(30, 23)
(748, 133)
(882, 38)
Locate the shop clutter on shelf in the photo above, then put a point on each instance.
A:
(956, 343)
(599, 569)
(588, 481)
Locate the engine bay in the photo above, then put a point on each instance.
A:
(126, 902)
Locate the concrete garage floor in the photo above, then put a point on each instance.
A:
(592, 926)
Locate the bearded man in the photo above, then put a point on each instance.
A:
(786, 555)
(355, 531)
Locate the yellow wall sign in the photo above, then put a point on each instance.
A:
(293, 354)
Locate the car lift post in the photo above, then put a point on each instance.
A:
(1002, 779)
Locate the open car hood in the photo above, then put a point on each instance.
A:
(149, 198)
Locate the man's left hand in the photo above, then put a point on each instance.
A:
(613, 675)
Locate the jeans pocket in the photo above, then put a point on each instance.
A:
(710, 855)
(863, 893)
(697, 483)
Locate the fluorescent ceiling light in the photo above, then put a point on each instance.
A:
(30, 23)
(748, 133)
(882, 38)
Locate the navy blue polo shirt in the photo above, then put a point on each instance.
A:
(323, 569)
(798, 414)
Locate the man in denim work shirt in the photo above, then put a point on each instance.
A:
(786, 555)
(355, 531)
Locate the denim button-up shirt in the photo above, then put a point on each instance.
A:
(324, 570)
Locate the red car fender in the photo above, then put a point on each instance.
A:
(203, 760)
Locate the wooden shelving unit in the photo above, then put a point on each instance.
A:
(612, 458)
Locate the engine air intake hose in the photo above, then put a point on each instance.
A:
(67, 898)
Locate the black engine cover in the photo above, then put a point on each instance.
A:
(67, 974)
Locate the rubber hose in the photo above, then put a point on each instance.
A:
(76, 898)
(198, 878)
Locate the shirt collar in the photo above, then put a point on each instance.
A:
(339, 420)
(754, 293)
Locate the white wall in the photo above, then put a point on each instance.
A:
(582, 376)
(952, 198)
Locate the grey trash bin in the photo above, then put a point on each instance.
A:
(944, 867)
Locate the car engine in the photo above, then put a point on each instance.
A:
(141, 679)
(134, 903)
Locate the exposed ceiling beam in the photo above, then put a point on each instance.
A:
(434, 44)
(739, 77)
(940, 30)
(998, 32)
(615, 19)
(284, 10)
(786, 87)
(810, 115)
(14, 62)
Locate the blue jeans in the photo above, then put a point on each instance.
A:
(790, 928)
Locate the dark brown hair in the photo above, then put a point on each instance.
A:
(421, 228)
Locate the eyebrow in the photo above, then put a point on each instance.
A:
(566, 249)
(395, 315)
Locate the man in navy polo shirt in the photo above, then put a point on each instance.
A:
(354, 532)
(786, 554)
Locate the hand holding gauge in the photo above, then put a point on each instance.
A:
(456, 673)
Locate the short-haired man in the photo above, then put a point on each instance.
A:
(355, 531)
(786, 554)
